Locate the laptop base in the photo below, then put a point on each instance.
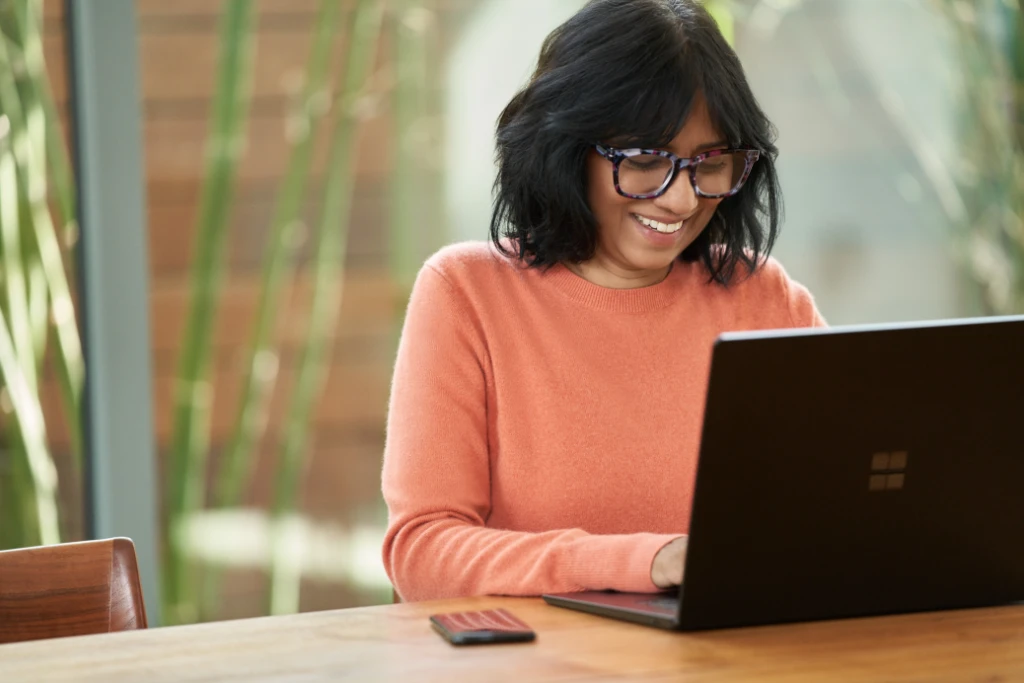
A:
(649, 609)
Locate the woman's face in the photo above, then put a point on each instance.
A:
(630, 253)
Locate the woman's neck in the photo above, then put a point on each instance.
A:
(615, 278)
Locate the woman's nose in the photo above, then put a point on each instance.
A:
(680, 199)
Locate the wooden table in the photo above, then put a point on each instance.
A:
(396, 643)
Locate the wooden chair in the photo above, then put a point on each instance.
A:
(70, 589)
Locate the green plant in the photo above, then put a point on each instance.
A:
(278, 262)
(989, 38)
(722, 11)
(38, 333)
(186, 472)
(410, 205)
(190, 449)
(351, 107)
(38, 327)
(262, 356)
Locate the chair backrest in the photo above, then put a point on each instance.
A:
(71, 589)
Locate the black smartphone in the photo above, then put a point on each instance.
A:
(486, 626)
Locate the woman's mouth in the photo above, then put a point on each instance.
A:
(657, 226)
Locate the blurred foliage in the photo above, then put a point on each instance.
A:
(722, 11)
(193, 401)
(38, 327)
(39, 340)
(353, 104)
(340, 98)
(989, 38)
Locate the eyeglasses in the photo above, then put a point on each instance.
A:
(648, 173)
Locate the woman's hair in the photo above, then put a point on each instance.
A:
(628, 72)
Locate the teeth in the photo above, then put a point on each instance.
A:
(660, 227)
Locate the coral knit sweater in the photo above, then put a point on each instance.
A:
(543, 431)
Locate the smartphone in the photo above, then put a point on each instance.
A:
(477, 628)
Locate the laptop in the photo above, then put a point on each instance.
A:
(849, 472)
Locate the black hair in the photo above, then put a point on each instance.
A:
(628, 70)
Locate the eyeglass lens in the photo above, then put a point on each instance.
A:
(648, 173)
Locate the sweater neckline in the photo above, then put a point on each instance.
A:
(636, 300)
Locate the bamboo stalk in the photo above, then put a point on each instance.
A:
(36, 285)
(992, 148)
(32, 117)
(23, 185)
(19, 528)
(18, 177)
(409, 105)
(331, 247)
(193, 393)
(21, 522)
(261, 358)
(28, 434)
(29, 16)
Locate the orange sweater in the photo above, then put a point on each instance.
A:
(543, 431)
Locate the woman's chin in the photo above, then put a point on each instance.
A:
(653, 262)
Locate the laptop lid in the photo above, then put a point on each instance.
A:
(857, 471)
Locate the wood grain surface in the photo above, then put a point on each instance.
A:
(70, 589)
(395, 642)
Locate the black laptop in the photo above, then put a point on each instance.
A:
(849, 472)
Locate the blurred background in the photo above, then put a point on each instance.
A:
(293, 162)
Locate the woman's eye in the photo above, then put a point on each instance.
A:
(711, 167)
(646, 163)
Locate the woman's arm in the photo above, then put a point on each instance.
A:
(436, 477)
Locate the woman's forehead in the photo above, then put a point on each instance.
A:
(698, 133)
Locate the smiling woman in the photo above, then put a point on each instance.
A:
(657, 217)
(548, 392)
(640, 75)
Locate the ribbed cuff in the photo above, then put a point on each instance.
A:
(616, 562)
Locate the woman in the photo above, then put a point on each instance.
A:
(548, 392)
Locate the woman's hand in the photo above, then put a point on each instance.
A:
(667, 568)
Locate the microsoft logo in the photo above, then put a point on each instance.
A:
(888, 471)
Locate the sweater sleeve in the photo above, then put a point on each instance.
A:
(802, 310)
(436, 477)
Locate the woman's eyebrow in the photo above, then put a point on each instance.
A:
(711, 145)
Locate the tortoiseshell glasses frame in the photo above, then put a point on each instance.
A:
(617, 156)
